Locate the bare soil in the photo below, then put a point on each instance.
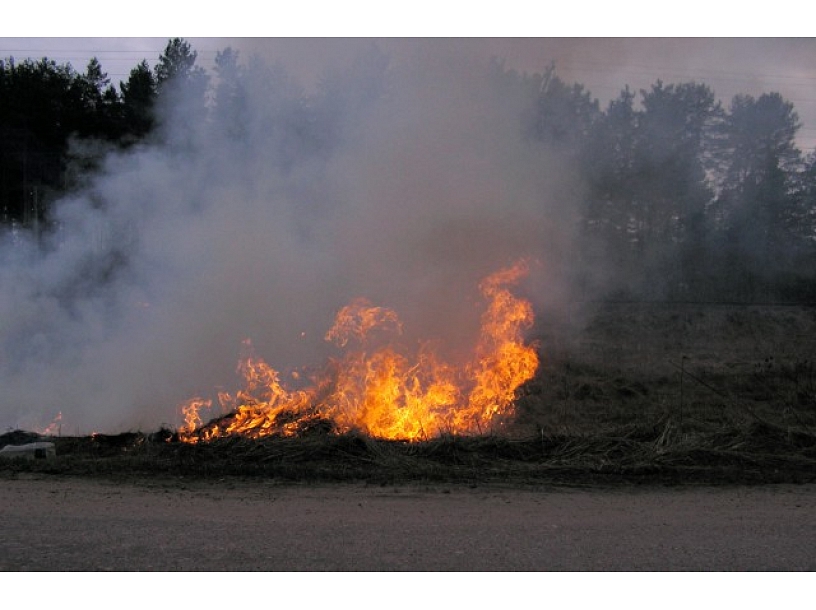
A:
(78, 524)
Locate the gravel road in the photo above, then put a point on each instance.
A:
(65, 524)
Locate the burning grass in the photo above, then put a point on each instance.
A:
(382, 390)
(657, 395)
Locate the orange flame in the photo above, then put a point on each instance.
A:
(382, 392)
(54, 428)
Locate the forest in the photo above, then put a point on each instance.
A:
(685, 198)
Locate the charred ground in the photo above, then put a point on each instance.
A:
(631, 394)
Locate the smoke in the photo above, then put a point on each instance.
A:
(411, 185)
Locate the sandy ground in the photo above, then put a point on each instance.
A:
(73, 524)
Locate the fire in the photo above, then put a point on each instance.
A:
(54, 428)
(381, 391)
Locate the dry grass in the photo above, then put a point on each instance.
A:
(639, 394)
(652, 453)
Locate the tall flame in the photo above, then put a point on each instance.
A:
(383, 392)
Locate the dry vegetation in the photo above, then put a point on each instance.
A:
(680, 394)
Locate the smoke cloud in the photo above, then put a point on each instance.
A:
(178, 250)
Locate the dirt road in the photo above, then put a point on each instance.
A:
(66, 524)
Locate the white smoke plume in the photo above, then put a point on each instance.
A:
(179, 249)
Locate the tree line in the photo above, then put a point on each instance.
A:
(46, 109)
(688, 199)
(681, 197)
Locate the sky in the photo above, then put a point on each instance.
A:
(603, 64)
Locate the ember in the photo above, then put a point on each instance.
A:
(382, 392)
